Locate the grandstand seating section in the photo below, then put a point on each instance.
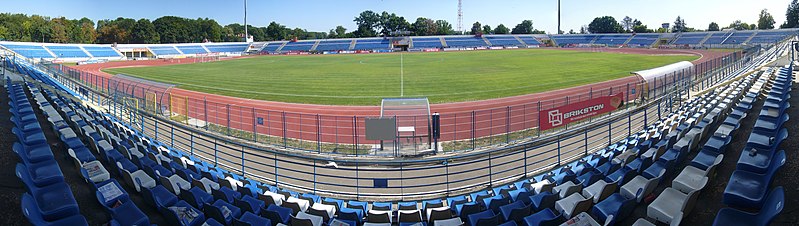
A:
(573, 39)
(466, 42)
(272, 47)
(607, 184)
(64, 51)
(193, 49)
(334, 45)
(298, 46)
(690, 38)
(164, 50)
(34, 50)
(612, 40)
(227, 48)
(29, 51)
(643, 39)
(739, 37)
(529, 40)
(717, 38)
(502, 40)
(371, 44)
(772, 36)
(101, 51)
(419, 43)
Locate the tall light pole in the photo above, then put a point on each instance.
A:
(246, 34)
(558, 17)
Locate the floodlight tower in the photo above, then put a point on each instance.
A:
(558, 16)
(460, 15)
(246, 34)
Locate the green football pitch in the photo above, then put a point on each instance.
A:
(364, 79)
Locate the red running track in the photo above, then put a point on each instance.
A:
(340, 124)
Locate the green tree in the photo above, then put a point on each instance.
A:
(424, 26)
(738, 25)
(792, 15)
(526, 27)
(605, 24)
(627, 23)
(3, 32)
(341, 31)
(476, 28)
(366, 21)
(501, 29)
(443, 28)
(276, 31)
(174, 29)
(765, 21)
(59, 30)
(713, 27)
(679, 25)
(487, 29)
(144, 32)
(390, 23)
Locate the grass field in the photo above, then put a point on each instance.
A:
(366, 78)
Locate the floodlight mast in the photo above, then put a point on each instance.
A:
(246, 33)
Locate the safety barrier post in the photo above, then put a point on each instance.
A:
(473, 132)
(446, 173)
(242, 161)
(539, 119)
(610, 133)
(155, 122)
(205, 113)
(227, 109)
(285, 141)
(355, 133)
(558, 149)
(585, 139)
(314, 175)
(490, 172)
(191, 142)
(318, 133)
(507, 125)
(254, 126)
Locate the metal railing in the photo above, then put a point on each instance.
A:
(345, 135)
(399, 178)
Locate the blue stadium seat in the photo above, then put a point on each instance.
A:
(222, 211)
(159, 197)
(515, 211)
(543, 200)
(278, 214)
(183, 214)
(31, 212)
(197, 197)
(54, 201)
(485, 218)
(545, 217)
(614, 208)
(747, 189)
(248, 203)
(249, 218)
(772, 207)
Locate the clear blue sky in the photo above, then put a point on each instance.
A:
(322, 15)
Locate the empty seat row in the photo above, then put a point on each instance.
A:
(48, 198)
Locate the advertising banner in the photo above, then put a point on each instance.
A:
(563, 115)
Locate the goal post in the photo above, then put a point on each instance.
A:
(412, 121)
(179, 108)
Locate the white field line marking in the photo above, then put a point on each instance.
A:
(402, 76)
